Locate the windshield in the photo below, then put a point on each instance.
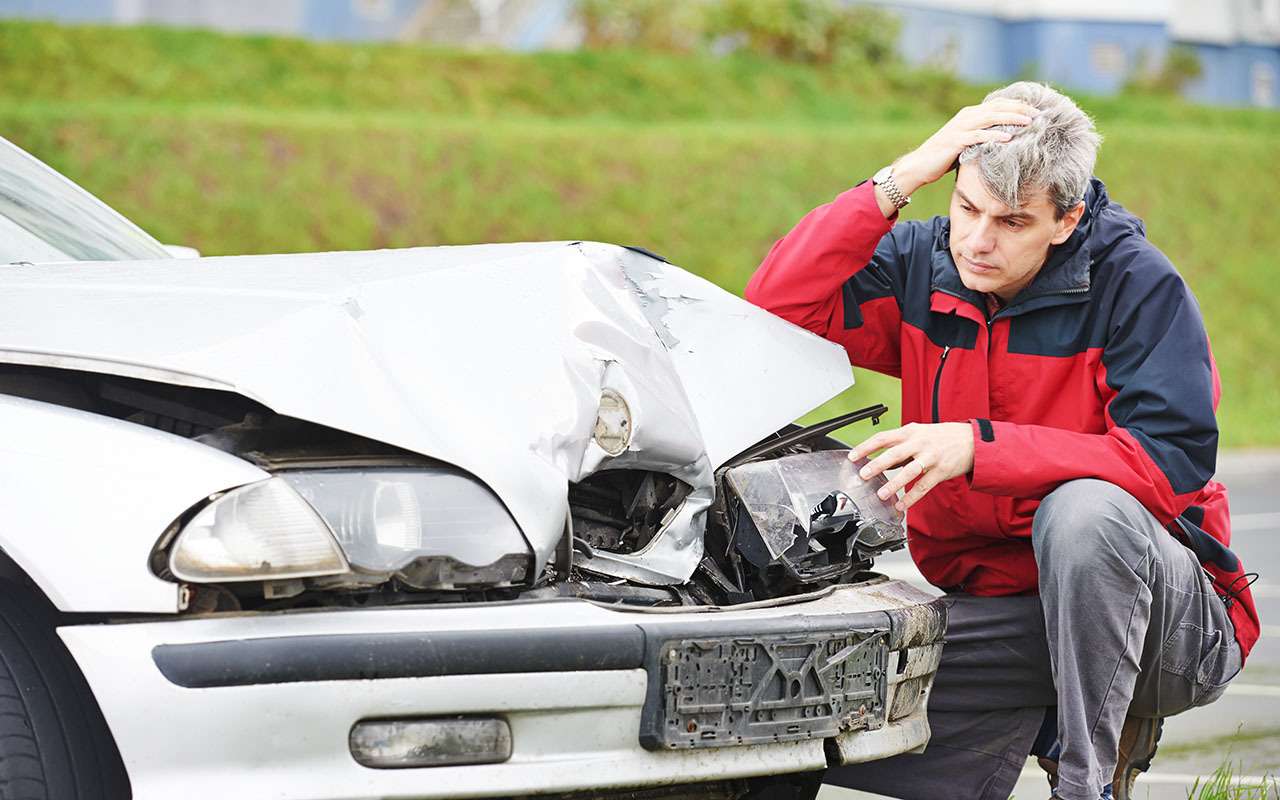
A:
(45, 217)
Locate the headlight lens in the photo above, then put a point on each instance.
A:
(257, 532)
(436, 527)
(811, 514)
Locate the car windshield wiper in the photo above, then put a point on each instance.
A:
(762, 449)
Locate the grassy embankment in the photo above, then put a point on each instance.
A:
(254, 144)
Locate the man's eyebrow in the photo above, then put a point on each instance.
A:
(1015, 216)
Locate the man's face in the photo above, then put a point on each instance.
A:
(998, 249)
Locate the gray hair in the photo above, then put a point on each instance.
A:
(1056, 152)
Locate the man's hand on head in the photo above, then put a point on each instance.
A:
(927, 455)
(935, 158)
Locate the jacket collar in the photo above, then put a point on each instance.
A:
(1063, 279)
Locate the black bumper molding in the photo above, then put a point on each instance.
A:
(375, 656)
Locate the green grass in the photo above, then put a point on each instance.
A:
(181, 67)
(1223, 785)
(43, 61)
(252, 144)
(1235, 741)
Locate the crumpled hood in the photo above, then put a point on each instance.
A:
(490, 357)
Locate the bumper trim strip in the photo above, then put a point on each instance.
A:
(417, 654)
(338, 657)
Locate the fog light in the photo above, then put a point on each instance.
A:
(399, 743)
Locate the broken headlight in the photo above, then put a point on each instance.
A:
(432, 528)
(810, 514)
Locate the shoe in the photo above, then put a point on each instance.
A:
(1138, 740)
(1047, 749)
(1050, 767)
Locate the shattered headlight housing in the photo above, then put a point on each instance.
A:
(811, 514)
(431, 528)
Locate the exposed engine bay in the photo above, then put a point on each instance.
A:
(790, 514)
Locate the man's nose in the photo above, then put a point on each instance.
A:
(982, 238)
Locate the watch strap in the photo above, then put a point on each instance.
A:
(891, 189)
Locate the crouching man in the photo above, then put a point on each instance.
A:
(1058, 396)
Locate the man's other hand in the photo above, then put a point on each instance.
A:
(927, 454)
(971, 125)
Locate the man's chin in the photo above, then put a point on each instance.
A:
(978, 283)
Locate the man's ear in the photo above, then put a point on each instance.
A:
(1067, 225)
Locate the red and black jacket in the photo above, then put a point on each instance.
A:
(1100, 368)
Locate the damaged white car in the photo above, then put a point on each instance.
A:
(485, 521)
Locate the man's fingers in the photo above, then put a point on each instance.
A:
(890, 458)
(1008, 104)
(910, 471)
(1004, 112)
(869, 445)
(985, 135)
(1003, 118)
(876, 442)
(922, 487)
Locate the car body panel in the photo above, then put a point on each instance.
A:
(86, 497)
(571, 730)
(491, 357)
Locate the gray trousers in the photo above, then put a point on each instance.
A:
(1126, 623)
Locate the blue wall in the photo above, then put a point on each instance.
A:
(340, 20)
(989, 50)
(1083, 55)
(1064, 52)
(969, 44)
(62, 10)
(542, 25)
(1228, 73)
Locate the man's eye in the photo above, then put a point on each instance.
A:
(966, 209)
(1012, 224)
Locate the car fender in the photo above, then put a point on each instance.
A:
(86, 497)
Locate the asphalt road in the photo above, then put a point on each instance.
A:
(1243, 727)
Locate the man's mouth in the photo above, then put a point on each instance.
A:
(979, 266)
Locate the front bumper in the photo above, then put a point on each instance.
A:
(261, 705)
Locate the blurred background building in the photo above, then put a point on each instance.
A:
(1230, 49)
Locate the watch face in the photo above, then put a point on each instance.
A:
(884, 172)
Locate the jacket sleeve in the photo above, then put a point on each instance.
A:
(838, 275)
(1160, 388)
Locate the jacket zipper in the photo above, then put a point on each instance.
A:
(1067, 292)
(937, 380)
(942, 362)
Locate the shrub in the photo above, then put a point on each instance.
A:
(674, 26)
(805, 31)
(1180, 67)
(813, 31)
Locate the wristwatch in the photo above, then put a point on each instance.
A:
(884, 179)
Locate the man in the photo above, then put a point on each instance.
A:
(1058, 396)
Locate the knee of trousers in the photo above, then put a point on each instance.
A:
(1082, 520)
